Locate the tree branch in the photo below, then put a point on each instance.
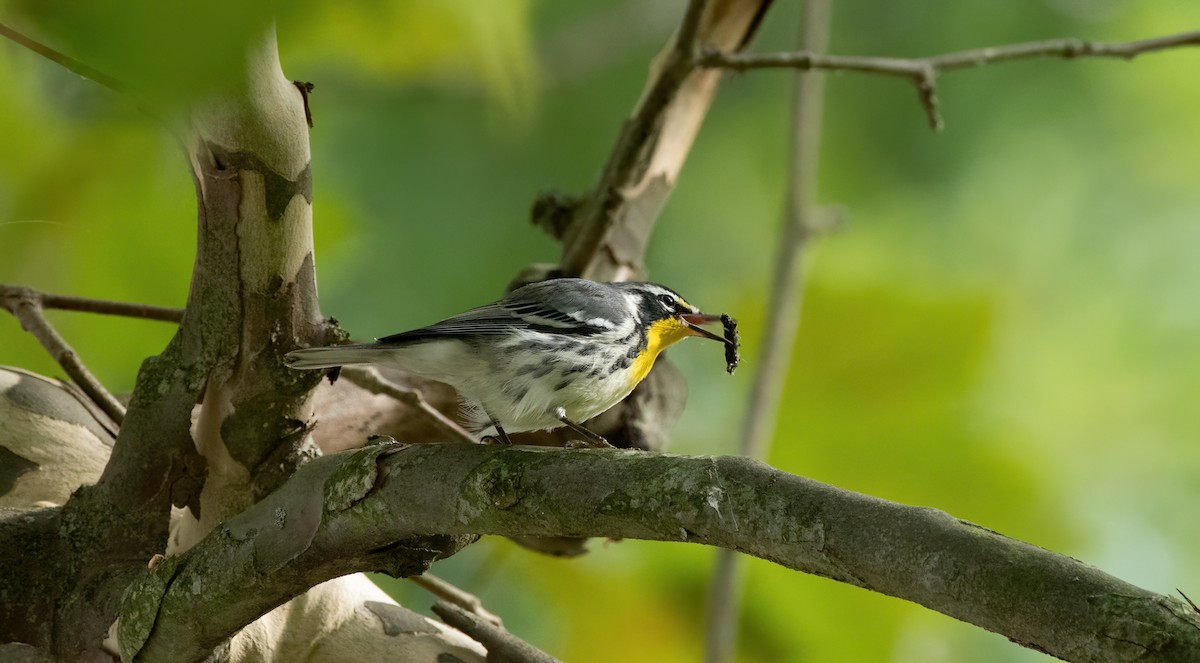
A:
(67, 62)
(457, 596)
(500, 644)
(784, 306)
(605, 233)
(369, 378)
(26, 304)
(338, 514)
(109, 307)
(924, 71)
(89, 305)
(251, 299)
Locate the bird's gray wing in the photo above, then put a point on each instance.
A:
(564, 306)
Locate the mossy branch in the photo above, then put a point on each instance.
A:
(343, 513)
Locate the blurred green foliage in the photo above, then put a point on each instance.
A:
(1006, 329)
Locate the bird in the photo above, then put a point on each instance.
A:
(549, 354)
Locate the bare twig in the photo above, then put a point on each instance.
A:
(368, 378)
(800, 223)
(500, 644)
(689, 29)
(67, 62)
(924, 71)
(1189, 600)
(26, 305)
(108, 307)
(455, 595)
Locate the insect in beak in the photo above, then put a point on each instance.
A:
(693, 321)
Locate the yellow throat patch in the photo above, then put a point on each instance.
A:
(660, 335)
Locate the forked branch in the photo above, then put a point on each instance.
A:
(500, 644)
(923, 72)
(28, 305)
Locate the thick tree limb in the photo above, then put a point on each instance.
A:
(400, 507)
(50, 445)
(923, 72)
(252, 298)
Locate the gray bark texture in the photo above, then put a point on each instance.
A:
(394, 507)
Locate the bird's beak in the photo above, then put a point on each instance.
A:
(693, 321)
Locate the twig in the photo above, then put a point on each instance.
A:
(500, 644)
(924, 71)
(26, 305)
(685, 42)
(800, 223)
(368, 378)
(108, 307)
(456, 595)
(1187, 598)
(67, 62)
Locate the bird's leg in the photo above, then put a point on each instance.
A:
(500, 434)
(591, 438)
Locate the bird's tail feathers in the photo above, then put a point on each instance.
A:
(334, 355)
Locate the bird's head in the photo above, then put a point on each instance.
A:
(666, 315)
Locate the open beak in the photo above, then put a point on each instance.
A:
(693, 321)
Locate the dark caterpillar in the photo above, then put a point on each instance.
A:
(731, 342)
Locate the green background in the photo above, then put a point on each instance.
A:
(1006, 328)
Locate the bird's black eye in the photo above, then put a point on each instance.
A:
(667, 301)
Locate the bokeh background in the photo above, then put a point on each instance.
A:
(1007, 328)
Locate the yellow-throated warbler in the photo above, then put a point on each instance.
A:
(553, 353)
